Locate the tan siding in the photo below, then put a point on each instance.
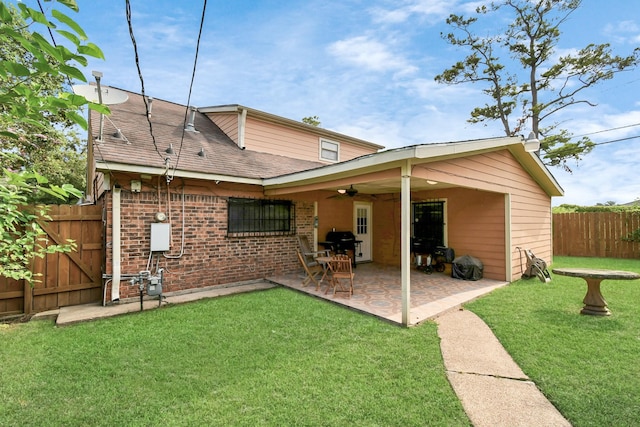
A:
(476, 224)
(270, 138)
(228, 123)
(473, 214)
(350, 151)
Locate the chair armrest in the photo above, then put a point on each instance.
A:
(326, 252)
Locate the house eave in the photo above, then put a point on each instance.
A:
(532, 163)
(106, 167)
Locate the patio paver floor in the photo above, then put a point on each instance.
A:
(378, 291)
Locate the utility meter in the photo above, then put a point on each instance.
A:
(160, 216)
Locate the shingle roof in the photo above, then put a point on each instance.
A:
(222, 155)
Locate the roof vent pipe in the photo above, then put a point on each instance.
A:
(98, 76)
(192, 118)
(149, 106)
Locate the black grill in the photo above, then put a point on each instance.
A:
(342, 242)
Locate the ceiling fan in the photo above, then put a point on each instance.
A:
(344, 193)
(351, 192)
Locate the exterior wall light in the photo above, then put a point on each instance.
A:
(531, 144)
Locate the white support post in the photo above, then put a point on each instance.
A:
(405, 241)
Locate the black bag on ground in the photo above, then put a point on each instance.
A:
(447, 253)
(467, 267)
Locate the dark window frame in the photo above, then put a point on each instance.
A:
(429, 222)
(260, 217)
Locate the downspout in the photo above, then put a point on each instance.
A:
(242, 125)
(115, 244)
(405, 240)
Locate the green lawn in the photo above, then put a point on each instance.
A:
(275, 358)
(280, 358)
(589, 367)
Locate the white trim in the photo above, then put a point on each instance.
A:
(508, 238)
(242, 125)
(369, 208)
(405, 241)
(115, 245)
(107, 167)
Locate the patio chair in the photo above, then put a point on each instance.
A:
(340, 268)
(312, 270)
(310, 255)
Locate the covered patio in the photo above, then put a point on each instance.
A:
(378, 291)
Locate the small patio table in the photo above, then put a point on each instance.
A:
(323, 260)
(594, 302)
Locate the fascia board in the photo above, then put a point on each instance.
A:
(538, 170)
(149, 170)
(380, 160)
(233, 108)
(445, 149)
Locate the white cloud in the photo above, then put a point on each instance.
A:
(604, 175)
(385, 16)
(370, 54)
(430, 10)
(623, 32)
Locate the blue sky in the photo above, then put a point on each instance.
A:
(366, 68)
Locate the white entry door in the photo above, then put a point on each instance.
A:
(362, 227)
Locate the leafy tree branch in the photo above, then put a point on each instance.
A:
(36, 110)
(517, 71)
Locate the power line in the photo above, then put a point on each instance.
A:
(616, 140)
(137, 59)
(606, 130)
(48, 27)
(193, 76)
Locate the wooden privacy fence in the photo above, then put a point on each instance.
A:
(596, 234)
(65, 279)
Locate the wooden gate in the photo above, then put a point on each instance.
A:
(64, 279)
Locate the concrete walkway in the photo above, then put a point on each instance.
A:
(80, 313)
(492, 388)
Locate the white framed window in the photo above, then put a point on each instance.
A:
(329, 150)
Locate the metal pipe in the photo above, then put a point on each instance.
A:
(98, 76)
(183, 232)
(115, 244)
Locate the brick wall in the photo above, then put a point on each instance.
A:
(209, 257)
